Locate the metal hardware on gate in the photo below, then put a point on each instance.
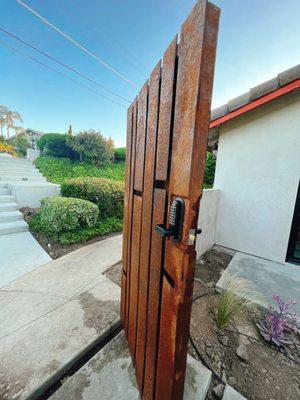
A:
(175, 221)
(193, 234)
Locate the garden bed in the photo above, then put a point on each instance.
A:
(54, 249)
(263, 373)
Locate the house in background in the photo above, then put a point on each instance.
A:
(254, 206)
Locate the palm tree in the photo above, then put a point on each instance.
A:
(11, 117)
(3, 111)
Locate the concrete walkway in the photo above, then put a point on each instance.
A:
(266, 278)
(20, 253)
(54, 314)
(109, 375)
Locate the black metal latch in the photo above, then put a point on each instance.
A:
(175, 221)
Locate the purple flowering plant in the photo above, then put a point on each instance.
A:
(279, 323)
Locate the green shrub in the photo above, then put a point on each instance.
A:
(55, 145)
(102, 227)
(58, 170)
(210, 169)
(91, 146)
(120, 154)
(60, 214)
(106, 193)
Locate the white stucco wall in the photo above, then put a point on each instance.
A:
(207, 220)
(258, 170)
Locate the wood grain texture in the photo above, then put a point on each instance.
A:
(141, 137)
(134, 272)
(166, 115)
(191, 119)
(167, 151)
(130, 209)
(126, 212)
(153, 104)
(155, 276)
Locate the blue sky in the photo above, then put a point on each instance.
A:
(257, 39)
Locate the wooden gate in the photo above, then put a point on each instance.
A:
(167, 132)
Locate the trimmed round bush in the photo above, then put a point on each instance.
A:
(64, 214)
(106, 193)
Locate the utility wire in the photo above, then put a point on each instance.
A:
(93, 55)
(63, 64)
(59, 73)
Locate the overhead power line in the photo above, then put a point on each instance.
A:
(63, 64)
(93, 55)
(59, 73)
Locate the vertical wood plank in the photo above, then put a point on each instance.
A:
(191, 119)
(153, 103)
(126, 212)
(165, 115)
(141, 138)
(129, 219)
(155, 275)
(134, 272)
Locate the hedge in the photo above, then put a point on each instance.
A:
(58, 170)
(106, 193)
(60, 214)
(55, 145)
(120, 154)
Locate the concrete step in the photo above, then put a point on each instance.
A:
(13, 227)
(18, 168)
(7, 178)
(12, 160)
(20, 173)
(9, 216)
(7, 199)
(4, 191)
(8, 207)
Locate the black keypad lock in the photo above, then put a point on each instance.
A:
(174, 231)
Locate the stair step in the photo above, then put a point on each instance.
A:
(19, 178)
(8, 216)
(4, 191)
(8, 207)
(20, 173)
(18, 168)
(7, 199)
(13, 227)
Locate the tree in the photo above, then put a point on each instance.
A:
(11, 117)
(91, 146)
(70, 131)
(3, 111)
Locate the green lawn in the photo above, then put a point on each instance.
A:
(57, 170)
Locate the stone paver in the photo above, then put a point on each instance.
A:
(20, 253)
(51, 316)
(231, 394)
(265, 277)
(109, 375)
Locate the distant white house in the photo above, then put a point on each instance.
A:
(254, 206)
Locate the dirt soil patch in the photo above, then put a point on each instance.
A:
(56, 250)
(260, 371)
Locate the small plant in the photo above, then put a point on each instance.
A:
(276, 327)
(229, 303)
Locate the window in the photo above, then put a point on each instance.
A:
(293, 252)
